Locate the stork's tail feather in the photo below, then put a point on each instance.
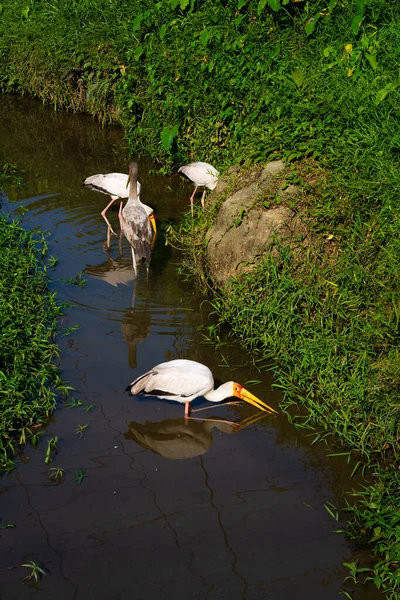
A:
(142, 250)
(139, 384)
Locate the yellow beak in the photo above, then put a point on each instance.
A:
(254, 401)
(153, 222)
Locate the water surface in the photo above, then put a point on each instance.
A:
(167, 510)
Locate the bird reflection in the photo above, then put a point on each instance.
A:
(114, 272)
(135, 323)
(183, 438)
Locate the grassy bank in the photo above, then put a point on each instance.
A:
(236, 81)
(325, 317)
(29, 378)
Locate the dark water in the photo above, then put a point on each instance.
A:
(168, 510)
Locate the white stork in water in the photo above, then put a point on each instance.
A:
(135, 223)
(202, 174)
(184, 380)
(116, 186)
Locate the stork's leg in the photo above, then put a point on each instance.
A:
(108, 237)
(134, 261)
(192, 198)
(103, 214)
(120, 217)
(187, 409)
(202, 198)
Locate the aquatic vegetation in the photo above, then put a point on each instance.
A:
(36, 573)
(57, 474)
(80, 429)
(51, 447)
(79, 476)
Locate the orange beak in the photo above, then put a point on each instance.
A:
(240, 392)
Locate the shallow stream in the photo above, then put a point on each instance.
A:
(167, 510)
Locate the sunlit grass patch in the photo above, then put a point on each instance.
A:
(29, 376)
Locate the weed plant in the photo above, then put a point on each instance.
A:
(29, 376)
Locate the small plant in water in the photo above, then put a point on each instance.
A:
(75, 403)
(51, 447)
(77, 280)
(58, 474)
(79, 476)
(80, 429)
(7, 526)
(53, 261)
(36, 571)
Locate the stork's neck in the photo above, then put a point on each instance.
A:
(221, 393)
(133, 172)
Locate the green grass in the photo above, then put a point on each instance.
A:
(29, 377)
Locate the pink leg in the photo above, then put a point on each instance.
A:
(187, 409)
(103, 214)
(120, 220)
(202, 198)
(192, 198)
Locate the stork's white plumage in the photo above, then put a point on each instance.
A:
(184, 380)
(116, 186)
(202, 174)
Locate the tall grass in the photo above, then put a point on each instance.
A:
(29, 377)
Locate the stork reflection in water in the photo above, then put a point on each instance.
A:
(183, 438)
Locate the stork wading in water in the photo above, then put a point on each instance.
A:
(184, 380)
(202, 174)
(135, 223)
(116, 186)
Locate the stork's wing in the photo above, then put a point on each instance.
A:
(113, 184)
(200, 173)
(139, 234)
(175, 379)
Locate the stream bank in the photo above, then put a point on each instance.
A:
(301, 296)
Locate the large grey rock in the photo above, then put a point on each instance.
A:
(243, 230)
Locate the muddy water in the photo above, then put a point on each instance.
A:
(167, 510)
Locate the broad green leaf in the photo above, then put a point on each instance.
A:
(205, 36)
(356, 22)
(275, 4)
(332, 5)
(261, 6)
(381, 95)
(174, 3)
(298, 77)
(239, 19)
(360, 7)
(372, 60)
(241, 3)
(184, 4)
(163, 30)
(167, 136)
(138, 20)
(310, 26)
